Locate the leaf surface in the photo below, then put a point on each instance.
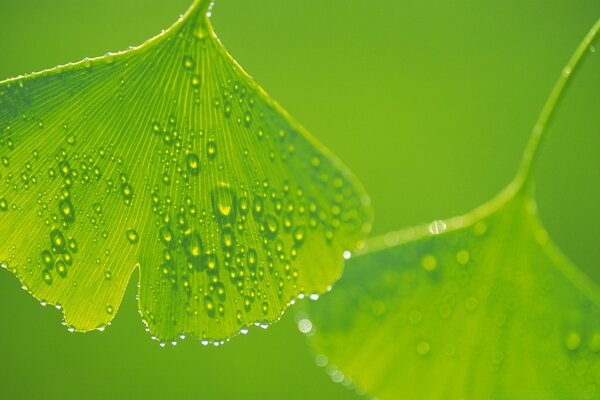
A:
(481, 306)
(168, 157)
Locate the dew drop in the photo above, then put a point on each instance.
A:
(224, 203)
(166, 235)
(47, 276)
(188, 62)
(227, 238)
(305, 326)
(57, 240)
(211, 149)
(429, 263)
(132, 236)
(299, 234)
(126, 191)
(67, 210)
(196, 80)
(423, 348)
(3, 204)
(573, 341)
(193, 163)
(192, 245)
(47, 259)
(463, 257)
(210, 306)
(61, 268)
(271, 225)
(437, 227)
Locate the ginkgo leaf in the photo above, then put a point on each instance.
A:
(482, 306)
(170, 158)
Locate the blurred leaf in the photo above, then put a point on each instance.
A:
(482, 306)
(170, 157)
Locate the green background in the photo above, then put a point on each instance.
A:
(430, 103)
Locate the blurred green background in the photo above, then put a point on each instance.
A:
(429, 102)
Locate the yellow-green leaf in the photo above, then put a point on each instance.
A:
(168, 157)
(480, 306)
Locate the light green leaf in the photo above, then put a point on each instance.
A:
(171, 158)
(482, 306)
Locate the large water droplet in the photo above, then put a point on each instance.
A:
(67, 210)
(193, 163)
(57, 240)
(224, 203)
(192, 245)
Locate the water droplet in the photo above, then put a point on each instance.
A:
(271, 225)
(224, 203)
(423, 348)
(193, 163)
(210, 306)
(47, 259)
(57, 240)
(429, 263)
(196, 80)
(166, 236)
(67, 210)
(471, 303)
(110, 310)
(126, 191)
(437, 227)
(192, 245)
(573, 341)
(132, 236)
(3, 204)
(258, 206)
(188, 62)
(463, 257)
(211, 262)
(305, 326)
(72, 244)
(299, 234)
(227, 238)
(211, 149)
(480, 228)
(108, 275)
(47, 276)
(61, 268)
(97, 208)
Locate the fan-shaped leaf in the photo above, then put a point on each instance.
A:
(170, 157)
(481, 306)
